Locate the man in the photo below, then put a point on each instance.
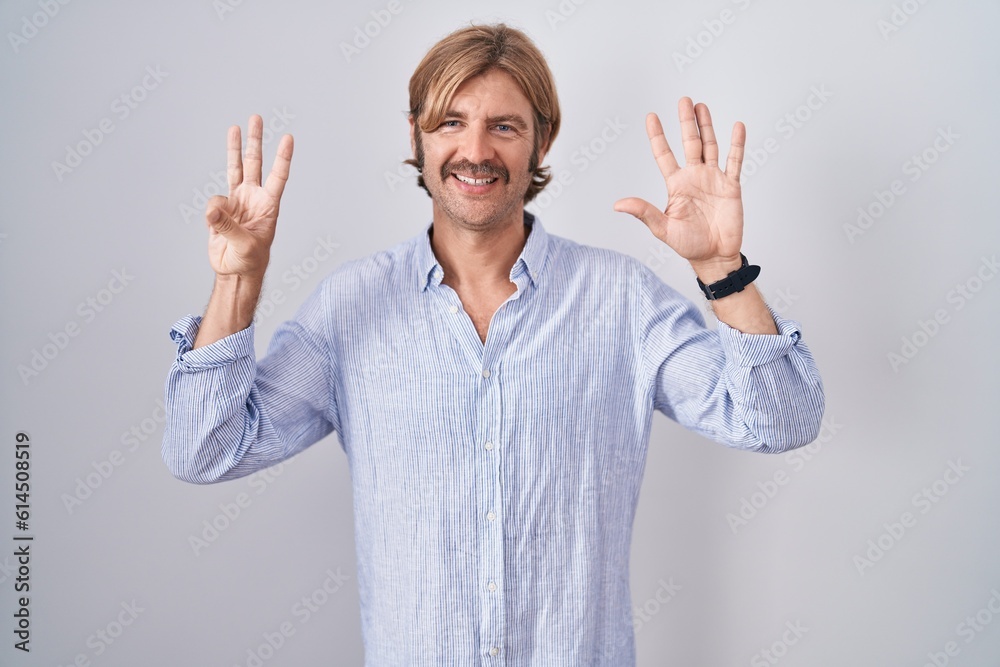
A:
(491, 384)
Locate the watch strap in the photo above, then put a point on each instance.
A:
(734, 282)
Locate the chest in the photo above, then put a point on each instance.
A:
(481, 305)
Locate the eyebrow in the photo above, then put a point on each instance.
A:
(507, 119)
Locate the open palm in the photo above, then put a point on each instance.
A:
(703, 219)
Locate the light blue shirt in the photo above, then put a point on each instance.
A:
(495, 485)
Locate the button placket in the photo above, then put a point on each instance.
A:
(492, 568)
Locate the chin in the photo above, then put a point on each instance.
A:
(478, 217)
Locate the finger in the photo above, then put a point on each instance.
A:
(734, 162)
(709, 147)
(255, 132)
(275, 184)
(689, 131)
(642, 209)
(234, 157)
(218, 219)
(661, 149)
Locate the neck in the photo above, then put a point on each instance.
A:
(478, 258)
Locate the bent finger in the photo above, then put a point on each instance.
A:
(218, 219)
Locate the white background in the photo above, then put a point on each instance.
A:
(132, 205)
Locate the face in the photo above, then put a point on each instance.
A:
(478, 163)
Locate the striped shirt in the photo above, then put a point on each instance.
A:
(494, 485)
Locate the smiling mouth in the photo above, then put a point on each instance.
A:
(474, 181)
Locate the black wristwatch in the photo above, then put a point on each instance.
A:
(734, 282)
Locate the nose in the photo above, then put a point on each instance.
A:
(476, 146)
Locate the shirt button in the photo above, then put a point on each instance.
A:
(494, 651)
(491, 515)
(492, 586)
(489, 445)
(486, 372)
(453, 309)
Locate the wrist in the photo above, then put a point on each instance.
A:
(238, 295)
(710, 270)
(735, 281)
(238, 280)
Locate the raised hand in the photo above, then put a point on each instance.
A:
(703, 220)
(241, 226)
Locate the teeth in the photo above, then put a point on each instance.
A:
(474, 181)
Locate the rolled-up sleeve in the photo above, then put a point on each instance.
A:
(759, 392)
(228, 415)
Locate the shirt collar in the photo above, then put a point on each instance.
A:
(531, 261)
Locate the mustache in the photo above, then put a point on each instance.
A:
(482, 170)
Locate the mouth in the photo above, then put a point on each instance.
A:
(474, 181)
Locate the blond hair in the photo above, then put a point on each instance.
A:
(470, 52)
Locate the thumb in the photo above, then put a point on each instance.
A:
(641, 209)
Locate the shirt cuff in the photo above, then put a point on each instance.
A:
(220, 353)
(749, 350)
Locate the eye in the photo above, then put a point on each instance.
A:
(505, 128)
